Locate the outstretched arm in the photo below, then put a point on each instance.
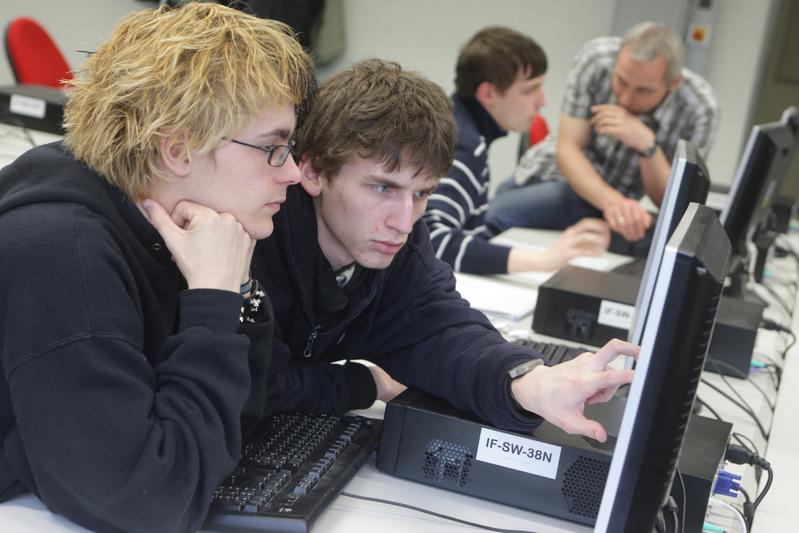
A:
(560, 393)
(590, 236)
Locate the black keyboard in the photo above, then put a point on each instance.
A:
(553, 353)
(294, 466)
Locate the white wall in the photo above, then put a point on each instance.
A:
(738, 47)
(73, 25)
(426, 35)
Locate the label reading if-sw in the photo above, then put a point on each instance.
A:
(615, 314)
(519, 453)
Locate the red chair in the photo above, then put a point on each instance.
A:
(33, 55)
(538, 130)
(537, 133)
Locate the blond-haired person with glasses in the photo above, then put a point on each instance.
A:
(134, 340)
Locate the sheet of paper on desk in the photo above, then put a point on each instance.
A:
(585, 261)
(594, 263)
(496, 297)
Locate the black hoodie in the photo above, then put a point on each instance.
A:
(406, 318)
(121, 394)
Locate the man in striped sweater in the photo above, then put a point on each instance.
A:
(499, 79)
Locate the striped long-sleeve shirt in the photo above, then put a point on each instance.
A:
(456, 211)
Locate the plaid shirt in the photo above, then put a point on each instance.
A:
(690, 112)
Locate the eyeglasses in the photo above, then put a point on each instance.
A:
(276, 153)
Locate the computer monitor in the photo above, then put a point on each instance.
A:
(688, 182)
(763, 164)
(674, 345)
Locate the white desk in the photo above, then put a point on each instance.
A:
(15, 141)
(26, 514)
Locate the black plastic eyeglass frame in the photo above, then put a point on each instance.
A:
(276, 153)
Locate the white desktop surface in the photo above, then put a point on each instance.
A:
(14, 142)
(27, 514)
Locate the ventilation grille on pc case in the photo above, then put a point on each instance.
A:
(583, 484)
(447, 463)
(608, 446)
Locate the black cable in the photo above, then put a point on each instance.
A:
(789, 345)
(774, 326)
(748, 510)
(770, 478)
(774, 372)
(744, 407)
(773, 364)
(712, 411)
(433, 513)
(715, 363)
(684, 502)
(742, 456)
(752, 447)
(789, 249)
(745, 494)
(777, 298)
(17, 122)
(784, 282)
(736, 436)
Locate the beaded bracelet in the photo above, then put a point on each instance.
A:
(252, 309)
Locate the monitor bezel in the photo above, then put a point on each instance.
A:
(690, 280)
(677, 186)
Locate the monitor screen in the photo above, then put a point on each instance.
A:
(688, 182)
(673, 349)
(763, 164)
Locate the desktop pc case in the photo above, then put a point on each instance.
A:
(592, 307)
(550, 471)
(586, 306)
(34, 107)
(427, 440)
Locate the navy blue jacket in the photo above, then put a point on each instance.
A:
(120, 393)
(407, 318)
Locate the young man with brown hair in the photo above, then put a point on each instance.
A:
(352, 275)
(128, 376)
(499, 82)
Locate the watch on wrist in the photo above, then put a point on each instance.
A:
(524, 368)
(650, 150)
(518, 371)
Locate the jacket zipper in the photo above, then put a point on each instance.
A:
(308, 351)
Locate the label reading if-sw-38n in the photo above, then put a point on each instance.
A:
(519, 453)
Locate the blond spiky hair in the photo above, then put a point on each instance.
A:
(202, 70)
